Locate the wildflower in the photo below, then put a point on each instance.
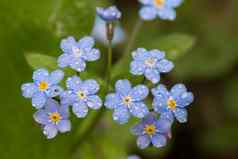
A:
(45, 86)
(109, 14)
(76, 54)
(165, 9)
(150, 130)
(81, 95)
(172, 104)
(127, 101)
(99, 32)
(150, 63)
(53, 118)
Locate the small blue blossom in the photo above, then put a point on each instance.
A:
(109, 14)
(127, 101)
(81, 95)
(99, 32)
(53, 118)
(76, 54)
(150, 130)
(150, 63)
(45, 86)
(172, 104)
(165, 9)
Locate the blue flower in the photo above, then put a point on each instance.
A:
(150, 63)
(109, 14)
(77, 53)
(81, 95)
(165, 9)
(127, 101)
(45, 85)
(172, 104)
(99, 32)
(53, 118)
(150, 130)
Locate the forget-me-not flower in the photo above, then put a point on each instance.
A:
(81, 95)
(76, 54)
(150, 63)
(53, 118)
(45, 86)
(165, 9)
(99, 32)
(150, 130)
(127, 101)
(109, 14)
(172, 104)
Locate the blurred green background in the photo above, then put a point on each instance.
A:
(203, 43)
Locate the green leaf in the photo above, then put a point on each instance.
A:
(36, 61)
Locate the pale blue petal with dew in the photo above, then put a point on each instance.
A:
(40, 75)
(41, 117)
(56, 76)
(112, 100)
(109, 14)
(165, 66)
(73, 83)
(50, 131)
(121, 114)
(137, 67)
(39, 100)
(64, 126)
(139, 92)
(160, 103)
(67, 44)
(185, 99)
(157, 54)
(29, 89)
(123, 87)
(138, 109)
(86, 42)
(167, 13)
(94, 102)
(140, 54)
(161, 90)
(152, 75)
(159, 140)
(64, 60)
(78, 64)
(138, 129)
(163, 126)
(92, 55)
(143, 141)
(181, 115)
(177, 90)
(80, 109)
(90, 86)
(54, 91)
(148, 13)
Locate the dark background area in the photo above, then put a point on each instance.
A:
(202, 41)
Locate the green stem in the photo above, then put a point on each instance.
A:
(109, 65)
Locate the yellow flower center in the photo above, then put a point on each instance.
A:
(43, 86)
(150, 129)
(127, 100)
(171, 104)
(55, 117)
(159, 3)
(81, 95)
(150, 62)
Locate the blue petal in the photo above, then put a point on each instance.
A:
(109, 14)
(160, 103)
(52, 106)
(64, 60)
(64, 111)
(86, 42)
(152, 75)
(165, 66)
(92, 55)
(185, 99)
(137, 129)
(94, 102)
(123, 87)
(181, 115)
(54, 91)
(159, 140)
(80, 109)
(161, 90)
(121, 114)
(167, 14)
(140, 54)
(50, 131)
(148, 13)
(64, 126)
(56, 76)
(137, 67)
(178, 90)
(139, 109)
(157, 54)
(139, 92)
(68, 97)
(143, 141)
(28, 90)
(41, 117)
(112, 100)
(78, 64)
(67, 44)
(173, 3)
(39, 100)
(149, 119)
(168, 115)
(90, 86)
(40, 75)
(163, 126)
(73, 83)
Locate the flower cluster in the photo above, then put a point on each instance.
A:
(54, 102)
